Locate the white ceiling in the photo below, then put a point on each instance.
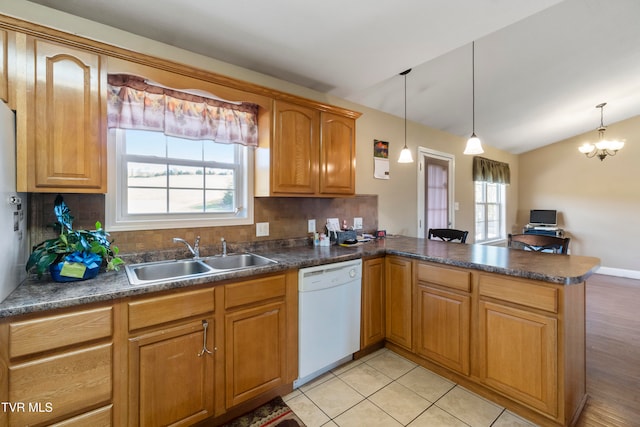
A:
(541, 67)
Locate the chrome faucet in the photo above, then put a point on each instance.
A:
(224, 246)
(195, 250)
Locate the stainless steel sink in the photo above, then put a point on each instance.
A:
(166, 271)
(236, 261)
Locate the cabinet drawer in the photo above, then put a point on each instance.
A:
(99, 418)
(520, 292)
(51, 332)
(154, 311)
(64, 383)
(448, 277)
(252, 291)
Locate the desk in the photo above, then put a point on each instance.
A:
(557, 232)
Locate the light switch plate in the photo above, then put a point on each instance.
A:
(262, 229)
(311, 226)
(357, 223)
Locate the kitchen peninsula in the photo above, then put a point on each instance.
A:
(506, 324)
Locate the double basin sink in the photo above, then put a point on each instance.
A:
(166, 271)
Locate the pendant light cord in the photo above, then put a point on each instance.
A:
(473, 87)
(404, 73)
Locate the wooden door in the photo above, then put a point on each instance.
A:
(337, 155)
(443, 327)
(171, 380)
(294, 163)
(373, 302)
(66, 115)
(518, 355)
(398, 280)
(255, 352)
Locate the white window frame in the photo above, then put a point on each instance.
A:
(502, 195)
(117, 218)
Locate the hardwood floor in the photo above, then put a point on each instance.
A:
(613, 352)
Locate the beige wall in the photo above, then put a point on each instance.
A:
(397, 201)
(397, 197)
(598, 202)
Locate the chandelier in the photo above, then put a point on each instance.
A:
(603, 147)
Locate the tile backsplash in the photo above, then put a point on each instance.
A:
(287, 218)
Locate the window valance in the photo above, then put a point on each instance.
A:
(133, 103)
(491, 171)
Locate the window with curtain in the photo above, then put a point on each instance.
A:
(491, 178)
(177, 156)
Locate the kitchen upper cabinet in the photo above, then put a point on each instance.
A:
(312, 153)
(4, 64)
(398, 295)
(337, 155)
(295, 149)
(255, 337)
(59, 365)
(172, 352)
(373, 302)
(61, 138)
(443, 313)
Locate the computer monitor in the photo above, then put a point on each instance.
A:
(543, 217)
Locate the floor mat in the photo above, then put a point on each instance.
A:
(271, 414)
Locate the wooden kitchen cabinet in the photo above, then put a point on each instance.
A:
(337, 155)
(295, 150)
(255, 337)
(172, 352)
(61, 141)
(398, 296)
(373, 302)
(172, 374)
(312, 152)
(4, 64)
(518, 341)
(443, 313)
(59, 366)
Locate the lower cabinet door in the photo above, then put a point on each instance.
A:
(518, 354)
(398, 301)
(373, 302)
(172, 375)
(255, 351)
(443, 327)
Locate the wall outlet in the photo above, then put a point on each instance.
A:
(262, 229)
(311, 226)
(357, 224)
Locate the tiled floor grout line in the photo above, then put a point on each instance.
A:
(339, 372)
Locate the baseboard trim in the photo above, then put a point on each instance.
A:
(619, 272)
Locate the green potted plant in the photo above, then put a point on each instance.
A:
(74, 254)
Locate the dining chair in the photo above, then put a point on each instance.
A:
(539, 243)
(448, 234)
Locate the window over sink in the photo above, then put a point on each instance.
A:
(176, 156)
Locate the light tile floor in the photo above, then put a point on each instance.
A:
(385, 389)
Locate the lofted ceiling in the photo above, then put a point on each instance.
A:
(540, 67)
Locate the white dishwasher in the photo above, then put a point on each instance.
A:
(329, 317)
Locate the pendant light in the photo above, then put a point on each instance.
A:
(474, 146)
(405, 154)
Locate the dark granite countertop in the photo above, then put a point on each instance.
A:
(40, 295)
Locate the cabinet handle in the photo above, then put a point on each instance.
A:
(205, 325)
